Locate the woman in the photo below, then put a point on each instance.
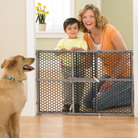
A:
(100, 35)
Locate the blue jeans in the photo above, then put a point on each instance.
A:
(118, 95)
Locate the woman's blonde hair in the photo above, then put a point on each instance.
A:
(101, 20)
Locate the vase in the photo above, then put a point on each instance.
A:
(42, 27)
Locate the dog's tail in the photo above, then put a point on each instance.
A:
(2, 131)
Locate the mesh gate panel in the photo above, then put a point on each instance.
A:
(54, 88)
(119, 101)
(49, 66)
(99, 63)
(110, 60)
(50, 96)
(75, 79)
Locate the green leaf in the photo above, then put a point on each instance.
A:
(37, 19)
(40, 20)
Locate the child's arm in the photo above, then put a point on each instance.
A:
(60, 46)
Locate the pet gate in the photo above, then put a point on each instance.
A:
(77, 80)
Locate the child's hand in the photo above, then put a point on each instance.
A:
(73, 48)
(59, 53)
(63, 49)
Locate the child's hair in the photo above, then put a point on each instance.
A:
(70, 21)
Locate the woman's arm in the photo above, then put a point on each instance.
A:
(120, 45)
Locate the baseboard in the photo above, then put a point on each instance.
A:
(25, 110)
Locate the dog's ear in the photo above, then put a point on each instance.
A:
(9, 63)
(3, 64)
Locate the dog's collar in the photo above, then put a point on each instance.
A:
(10, 78)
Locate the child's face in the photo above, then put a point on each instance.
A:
(72, 31)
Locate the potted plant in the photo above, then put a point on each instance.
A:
(41, 16)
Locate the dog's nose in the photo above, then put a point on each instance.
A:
(33, 59)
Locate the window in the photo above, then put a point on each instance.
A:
(59, 10)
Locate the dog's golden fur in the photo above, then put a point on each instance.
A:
(12, 95)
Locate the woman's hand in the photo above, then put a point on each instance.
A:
(106, 85)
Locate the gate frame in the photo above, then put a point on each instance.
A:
(85, 80)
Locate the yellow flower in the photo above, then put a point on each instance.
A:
(39, 4)
(40, 11)
(44, 7)
(36, 7)
(44, 12)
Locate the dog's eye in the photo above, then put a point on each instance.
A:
(23, 58)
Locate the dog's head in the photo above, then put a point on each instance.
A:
(17, 65)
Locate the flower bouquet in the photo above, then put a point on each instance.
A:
(41, 14)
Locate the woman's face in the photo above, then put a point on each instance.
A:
(89, 20)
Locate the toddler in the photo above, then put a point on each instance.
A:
(71, 28)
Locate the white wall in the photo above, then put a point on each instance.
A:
(120, 14)
(12, 30)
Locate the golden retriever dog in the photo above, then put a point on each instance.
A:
(12, 95)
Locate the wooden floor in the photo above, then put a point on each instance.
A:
(69, 126)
